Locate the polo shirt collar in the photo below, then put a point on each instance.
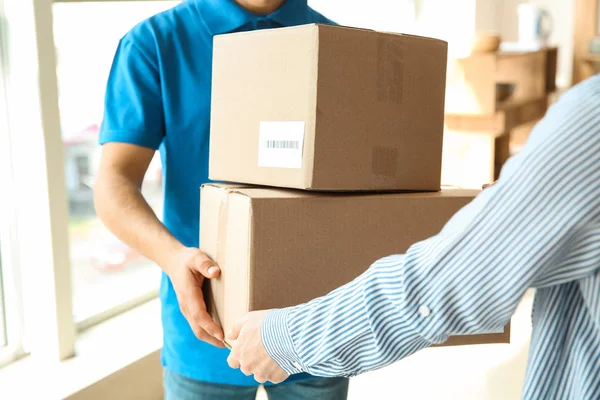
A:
(223, 16)
(292, 12)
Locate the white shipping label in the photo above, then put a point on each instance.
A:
(280, 144)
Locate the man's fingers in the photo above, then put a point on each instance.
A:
(234, 333)
(233, 361)
(201, 317)
(207, 267)
(205, 337)
(203, 320)
(260, 379)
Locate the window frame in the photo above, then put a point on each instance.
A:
(11, 305)
(38, 236)
(3, 323)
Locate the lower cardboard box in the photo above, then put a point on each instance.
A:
(279, 248)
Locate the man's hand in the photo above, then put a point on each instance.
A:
(188, 270)
(123, 209)
(248, 352)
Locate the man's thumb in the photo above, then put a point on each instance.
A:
(207, 267)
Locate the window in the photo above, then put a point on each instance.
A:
(78, 274)
(106, 274)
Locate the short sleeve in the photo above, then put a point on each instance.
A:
(133, 111)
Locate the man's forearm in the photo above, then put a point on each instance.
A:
(360, 327)
(535, 229)
(123, 209)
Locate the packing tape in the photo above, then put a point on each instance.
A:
(390, 70)
(222, 231)
(214, 290)
(384, 162)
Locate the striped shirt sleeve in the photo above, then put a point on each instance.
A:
(520, 233)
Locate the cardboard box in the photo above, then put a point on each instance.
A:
(328, 108)
(472, 81)
(280, 248)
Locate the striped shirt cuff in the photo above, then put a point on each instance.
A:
(278, 341)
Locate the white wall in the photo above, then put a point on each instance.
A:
(487, 17)
(384, 15)
(501, 16)
(469, 16)
(452, 21)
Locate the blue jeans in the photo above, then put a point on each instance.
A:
(178, 387)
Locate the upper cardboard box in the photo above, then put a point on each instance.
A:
(323, 107)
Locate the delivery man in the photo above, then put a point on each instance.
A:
(537, 227)
(158, 97)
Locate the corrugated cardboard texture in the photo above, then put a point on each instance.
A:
(280, 248)
(372, 104)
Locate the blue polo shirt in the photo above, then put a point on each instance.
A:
(158, 96)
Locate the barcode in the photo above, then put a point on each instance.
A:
(283, 144)
(280, 144)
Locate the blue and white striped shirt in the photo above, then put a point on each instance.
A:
(537, 227)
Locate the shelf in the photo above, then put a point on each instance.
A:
(592, 58)
(516, 50)
(510, 115)
(472, 83)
